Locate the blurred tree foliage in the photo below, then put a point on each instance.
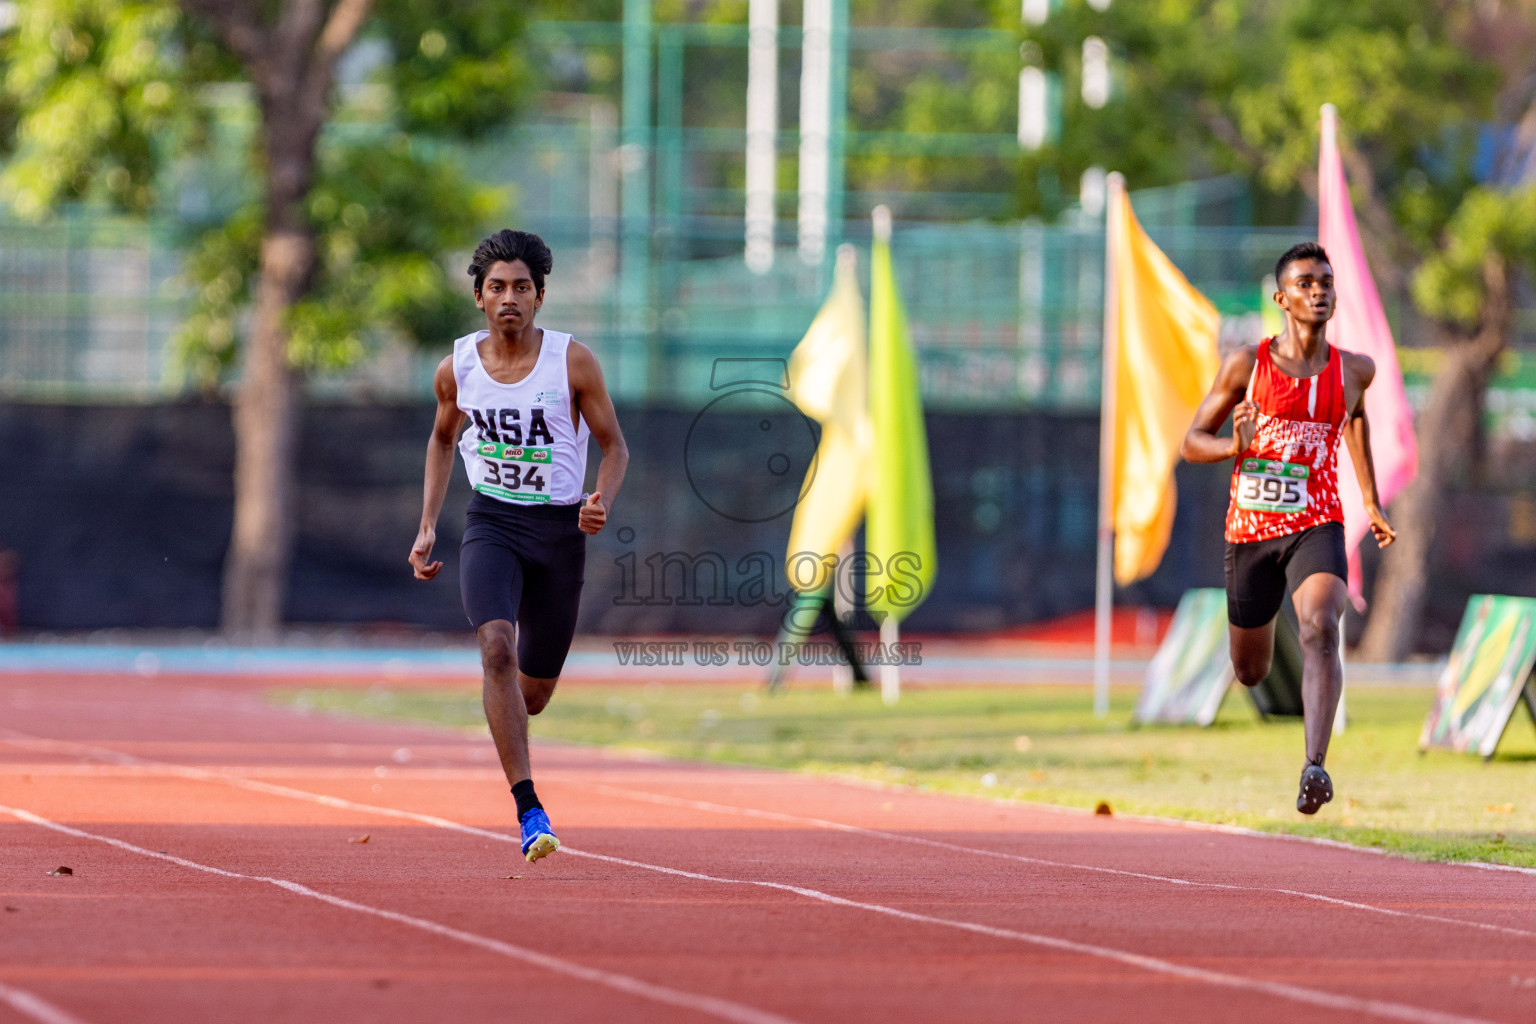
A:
(111, 101)
(1426, 90)
(106, 99)
(348, 208)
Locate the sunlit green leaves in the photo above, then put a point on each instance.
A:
(458, 68)
(1489, 224)
(385, 218)
(92, 87)
(386, 215)
(1392, 69)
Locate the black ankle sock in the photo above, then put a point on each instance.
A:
(526, 799)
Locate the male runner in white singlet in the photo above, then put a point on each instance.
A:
(1291, 398)
(527, 399)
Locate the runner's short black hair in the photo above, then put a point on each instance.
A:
(1299, 251)
(507, 245)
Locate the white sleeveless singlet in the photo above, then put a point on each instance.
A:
(522, 445)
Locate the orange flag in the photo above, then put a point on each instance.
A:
(1165, 361)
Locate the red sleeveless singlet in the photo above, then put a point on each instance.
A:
(1287, 481)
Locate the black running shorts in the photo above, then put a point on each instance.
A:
(525, 564)
(1260, 572)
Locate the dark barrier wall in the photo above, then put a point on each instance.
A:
(121, 515)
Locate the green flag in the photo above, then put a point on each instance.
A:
(899, 514)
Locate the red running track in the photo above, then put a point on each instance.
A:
(217, 877)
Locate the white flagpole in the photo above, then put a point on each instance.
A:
(1104, 583)
(890, 672)
(890, 628)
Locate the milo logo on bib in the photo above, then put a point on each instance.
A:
(514, 453)
(514, 472)
(1269, 485)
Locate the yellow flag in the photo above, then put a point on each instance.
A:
(899, 533)
(1165, 362)
(827, 380)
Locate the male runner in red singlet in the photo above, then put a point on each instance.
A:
(1291, 397)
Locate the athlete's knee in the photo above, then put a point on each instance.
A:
(1320, 633)
(1251, 669)
(537, 692)
(498, 652)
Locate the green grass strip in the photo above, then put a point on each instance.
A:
(1042, 743)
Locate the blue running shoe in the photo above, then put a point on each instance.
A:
(538, 837)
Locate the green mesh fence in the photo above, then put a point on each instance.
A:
(1003, 315)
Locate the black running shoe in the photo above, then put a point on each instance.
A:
(1316, 789)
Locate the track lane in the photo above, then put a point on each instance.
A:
(444, 784)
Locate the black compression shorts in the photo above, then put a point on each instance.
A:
(1260, 572)
(525, 564)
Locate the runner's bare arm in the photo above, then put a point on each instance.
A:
(445, 428)
(1359, 371)
(1201, 443)
(592, 402)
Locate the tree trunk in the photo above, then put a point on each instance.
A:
(290, 61)
(261, 546)
(256, 568)
(1448, 431)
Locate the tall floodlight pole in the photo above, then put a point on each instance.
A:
(815, 123)
(1104, 580)
(635, 196)
(837, 129)
(823, 110)
(762, 129)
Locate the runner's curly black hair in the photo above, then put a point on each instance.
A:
(507, 245)
(1299, 251)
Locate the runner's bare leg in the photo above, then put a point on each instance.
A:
(1251, 650)
(506, 711)
(1319, 604)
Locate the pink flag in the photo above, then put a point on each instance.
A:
(1360, 325)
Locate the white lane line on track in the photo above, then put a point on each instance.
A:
(1081, 812)
(1313, 997)
(1297, 993)
(837, 826)
(650, 757)
(715, 1007)
(207, 775)
(39, 1009)
(152, 769)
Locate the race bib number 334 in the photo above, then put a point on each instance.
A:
(515, 472)
(1267, 485)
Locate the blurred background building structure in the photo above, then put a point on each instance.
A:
(684, 231)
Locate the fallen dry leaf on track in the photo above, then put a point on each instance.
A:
(1104, 808)
(62, 871)
(511, 876)
(1500, 808)
(361, 839)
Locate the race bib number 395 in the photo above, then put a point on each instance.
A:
(1267, 485)
(515, 472)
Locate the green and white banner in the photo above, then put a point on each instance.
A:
(1489, 669)
(1189, 675)
(1188, 678)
